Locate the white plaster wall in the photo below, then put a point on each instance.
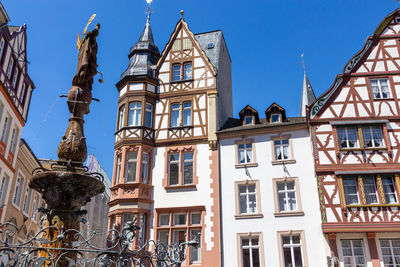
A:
(200, 196)
(269, 225)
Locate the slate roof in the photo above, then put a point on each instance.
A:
(213, 37)
(233, 124)
(307, 96)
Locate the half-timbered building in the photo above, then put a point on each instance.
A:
(355, 128)
(166, 159)
(15, 93)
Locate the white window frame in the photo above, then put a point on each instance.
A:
(6, 129)
(14, 140)
(189, 161)
(353, 257)
(392, 254)
(196, 249)
(15, 78)
(177, 162)
(135, 113)
(121, 117)
(187, 76)
(186, 110)
(393, 193)
(291, 246)
(250, 247)
(134, 161)
(118, 172)
(346, 135)
(19, 185)
(247, 149)
(368, 129)
(4, 189)
(175, 218)
(35, 206)
(149, 115)
(10, 67)
(145, 167)
(281, 147)
(286, 192)
(175, 109)
(166, 215)
(27, 201)
(375, 189)
(247, 195)
(379, 88)
(247, 121)
(355, 179)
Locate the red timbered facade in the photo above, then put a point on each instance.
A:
(355, 130)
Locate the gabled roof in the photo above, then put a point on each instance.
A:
(274, 107)
(352, 64)
(249, 110)
(182, 23)
(4, 19)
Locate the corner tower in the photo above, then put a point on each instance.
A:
(134, 137)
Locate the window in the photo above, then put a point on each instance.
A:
(353, 253)
(281, 149)
(275, 118)
(135, 112)
(380, 88)
(370, 186)
(389, 189)
(18, 191)
(145, 168)
(350, 190)
(347, 137)
(287, 196)
(6, 129)
(142, 230)
(245, 153)
(121, 117)
(292, 250)
(247, 199)
(390, 252)
(14, 139)
(178, 226)
(187, 114)
(248, 120)
(372, 136)
(10, 67)
(128, 217)
(370, 190)
(22, 92)
(180, 168)
(3, 189)
(176, 72)
(27, 200)
(187, 71)
(2, 43)
(131, 167)
(175, 115)
(187, 44)
(149, 116)
(118, 173)
(15, 78)
(250, 252)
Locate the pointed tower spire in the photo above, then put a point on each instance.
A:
(307, 94)
(144, 54)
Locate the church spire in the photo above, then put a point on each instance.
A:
(307, 94)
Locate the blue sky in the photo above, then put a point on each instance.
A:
(265, 40)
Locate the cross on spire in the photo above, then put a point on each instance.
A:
(302, 60)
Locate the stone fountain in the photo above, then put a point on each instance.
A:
(67, 186)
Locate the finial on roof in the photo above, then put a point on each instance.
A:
(148, 10)
(183, 12)
(302, 61)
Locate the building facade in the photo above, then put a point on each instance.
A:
(268, 197)
(15, 93)
(166, 159)
(355, 129)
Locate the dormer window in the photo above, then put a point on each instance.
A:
(248, 120)
(397, 19)
(275, 118)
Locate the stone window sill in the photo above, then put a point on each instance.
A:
(288, 213)
(288, 161)
(249, 216)
(177, 187)
(246, 165)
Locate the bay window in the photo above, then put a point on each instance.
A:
(131, 167)
(145, 168)
(134, 115)
(121, 117)
(353, 253)
(149, 116)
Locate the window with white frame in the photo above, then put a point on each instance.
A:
(173, 175)
(250, 251)
(22, 92)
(390, 252)
(187, 114)
(180, 168)
(135, 114)
(292, 250)
(187, 71)
(380, 88)
(247, 199)
(195, 218)
(188, 168)
(275, 118)
(27, 200)
(353, 253)
(3, 189)
(286, 192)
(164, 220)
(2, 44)
(389, 190)
(149, 116)
(14, 139)
(370, 191)
(121, 117)
(281, 149)
(18, 190)
(176, 72)
(248, 120)
(180, 219)
(10, 67)
(195, 252)
(6, 129)
(245, 153)
(372, 136)
(145, 168)
(118, 173)
(175, 115)
(131, 160)
(348, 137)
(142, 230)
(350, 188)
